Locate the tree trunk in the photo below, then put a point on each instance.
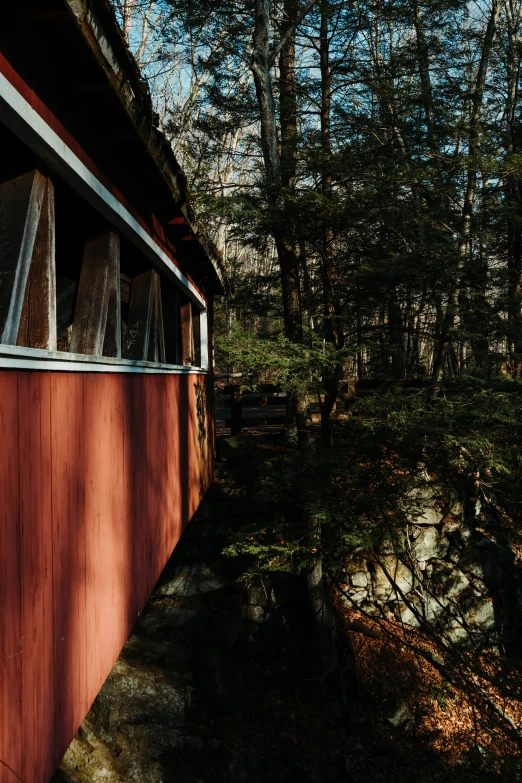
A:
(464, 246)
(331, 376)
(513, 194)
(284, 241)
(288, 98)
(395, 327)
(425, 78)
(298, 419)
(325, 628)
(127, 20)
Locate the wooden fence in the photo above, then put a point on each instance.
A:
(266, 409)
(238, 411)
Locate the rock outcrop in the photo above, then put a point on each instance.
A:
(443, 571)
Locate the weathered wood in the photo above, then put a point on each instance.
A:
(170, 310)
(140, 316)
(187, 334)
(125, 287)
(196, 336)
(157, 335)
(36, 548)
(21, 202)
(11, 650)
(153, 353)
(65, 296)
(161, 325)
(112, 340)
(92, 303)
(38, 328)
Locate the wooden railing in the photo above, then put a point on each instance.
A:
(268, 406)
(242, 410)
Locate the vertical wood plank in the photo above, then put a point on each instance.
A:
(160, 323)
(11, 651)
(94, 533)
(38, 325)
(161, 489)
(187, 337)
(106, 524)
(173, 466)
(128, 505)
(156, 352)
(112, 340)
(68, 472)
(171, 322)
(196, 336)
(155, 396)
(21, 202)
(140, 419)
(79, 646)
(36, 573)
(92, 304)
(140, 316)
(153, 353)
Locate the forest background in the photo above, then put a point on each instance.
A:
(359, 164)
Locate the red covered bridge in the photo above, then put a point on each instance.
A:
(106, 424)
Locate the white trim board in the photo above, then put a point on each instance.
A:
(203, 338)
(20, 117)
(18, 358)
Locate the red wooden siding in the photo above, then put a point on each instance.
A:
(98, 475)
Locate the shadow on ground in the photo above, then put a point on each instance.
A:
(214, 686)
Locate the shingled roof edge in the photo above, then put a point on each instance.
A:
(97, 22)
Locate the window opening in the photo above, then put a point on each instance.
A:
(91, 307)
(70, 283)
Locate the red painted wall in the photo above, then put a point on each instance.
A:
(98, 475)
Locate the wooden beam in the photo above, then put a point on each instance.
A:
(170, 309)
(140, 316)
(196, 336)
(65, 297)
(92, 303)
(112, 339)
(38, 325)
(156, 351)
(187, 334)
(21, 202)
(125, 288)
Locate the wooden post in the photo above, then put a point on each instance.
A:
(38, 322)
(112, 338)
(156, 352)
(145, 332)
(196, 337)
(27, 268)
(140, 316)
(100, 259)
(161, 327)
(187, 334)
(65, 298)
(170, 315)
